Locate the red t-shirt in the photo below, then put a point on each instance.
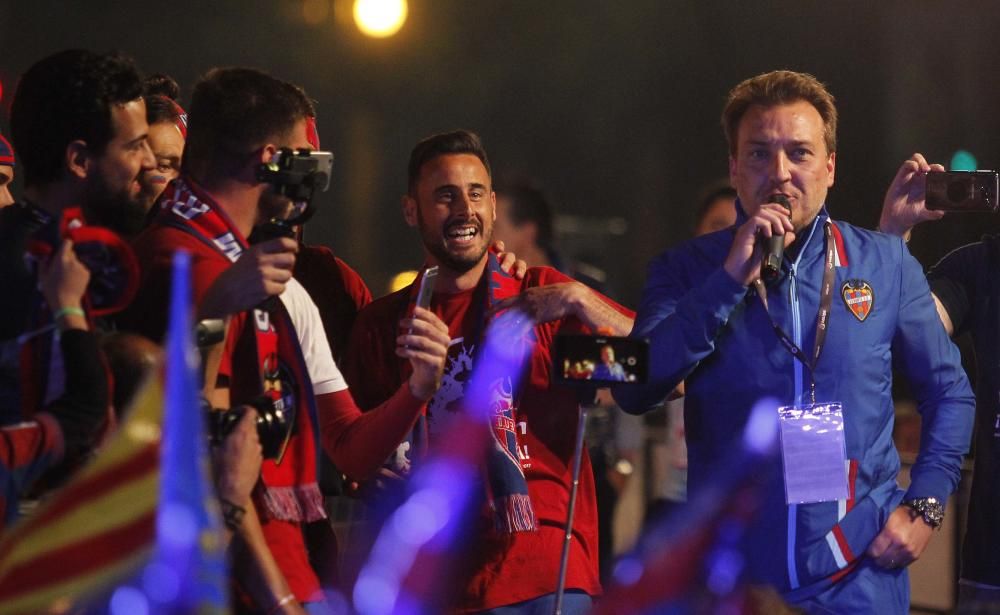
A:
(511, 568)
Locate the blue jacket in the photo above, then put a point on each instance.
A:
(713, 334)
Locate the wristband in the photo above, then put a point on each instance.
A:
(282, 602)
(68, 311)
(232, 514)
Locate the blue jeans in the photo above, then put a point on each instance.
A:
(575, 602)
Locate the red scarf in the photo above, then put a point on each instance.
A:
(290, 491)
(114, 279)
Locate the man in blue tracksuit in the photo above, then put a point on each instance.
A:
(704, 313)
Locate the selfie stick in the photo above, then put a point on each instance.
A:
(581, 427)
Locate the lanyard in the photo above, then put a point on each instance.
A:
(822, 318)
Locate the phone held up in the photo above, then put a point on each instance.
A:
(964, 191)
(426, 289)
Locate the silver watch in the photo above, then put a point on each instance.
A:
(930, 509)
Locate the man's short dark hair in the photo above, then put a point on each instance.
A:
(455, 142)
(527, 203)
(66, 97)
(160, 93)
(780, 87)
(235, 111)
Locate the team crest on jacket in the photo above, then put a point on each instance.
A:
(858, 297)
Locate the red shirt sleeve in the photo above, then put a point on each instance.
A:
(360, 442)
(355, 286)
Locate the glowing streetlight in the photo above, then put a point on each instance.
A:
(380, 18)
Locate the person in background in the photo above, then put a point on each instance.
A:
(167, 132)
(965, 285)
(716, 209)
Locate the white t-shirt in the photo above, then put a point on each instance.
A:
(323, 372)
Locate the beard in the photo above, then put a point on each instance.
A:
(437, 245)
(114, 209)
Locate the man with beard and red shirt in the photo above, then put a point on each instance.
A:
(451, 202)
(239, 119)
(78, 122)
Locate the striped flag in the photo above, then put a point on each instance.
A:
(118, 536)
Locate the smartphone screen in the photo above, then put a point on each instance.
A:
(600, 360)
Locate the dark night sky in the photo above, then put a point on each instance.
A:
(613, 106)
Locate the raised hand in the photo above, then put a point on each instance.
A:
(63, 280)
(261, 272)
(425, 343)
(743, 262)
(904, 206)
(509, 262)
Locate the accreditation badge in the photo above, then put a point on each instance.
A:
(813, 452)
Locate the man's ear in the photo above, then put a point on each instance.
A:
(251, 166)
(410, 210)
(267, 153)
(79, 159)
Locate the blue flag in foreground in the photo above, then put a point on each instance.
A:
(690, 562)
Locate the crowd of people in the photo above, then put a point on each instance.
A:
(118, 177)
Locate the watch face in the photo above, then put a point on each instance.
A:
(929, 508)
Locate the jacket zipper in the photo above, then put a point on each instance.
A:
(793, 300)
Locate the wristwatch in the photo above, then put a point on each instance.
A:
(929, 508)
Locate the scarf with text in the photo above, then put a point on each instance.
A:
(290, 491)
(507, 488)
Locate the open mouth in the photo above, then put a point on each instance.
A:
(463, 233)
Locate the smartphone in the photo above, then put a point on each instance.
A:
(426, 289)
(969, 191)
(600, 360)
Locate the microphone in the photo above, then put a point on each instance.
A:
(774, 247)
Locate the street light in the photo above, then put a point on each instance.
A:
(380, 18)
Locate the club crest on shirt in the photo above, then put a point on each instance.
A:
(858, 297)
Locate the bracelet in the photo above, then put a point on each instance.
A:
(232, 514)
(282, 602)
(68, 311)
